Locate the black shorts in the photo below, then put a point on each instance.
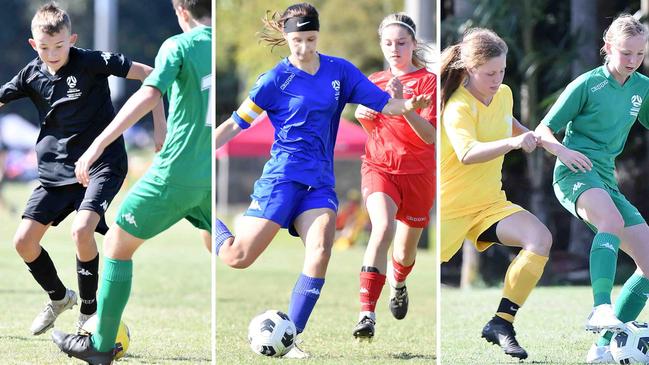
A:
(52, 204)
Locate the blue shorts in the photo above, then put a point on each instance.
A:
(281, 201)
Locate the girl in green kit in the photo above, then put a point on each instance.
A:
(597, 110)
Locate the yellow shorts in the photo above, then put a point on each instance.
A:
(454, 231)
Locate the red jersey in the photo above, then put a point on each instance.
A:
(392, 145)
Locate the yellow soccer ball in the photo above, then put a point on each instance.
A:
(122, 340)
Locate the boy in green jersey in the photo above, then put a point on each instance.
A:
(597, 110)
(178, 184)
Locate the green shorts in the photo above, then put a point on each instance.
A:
(152, 206)
(571, 186)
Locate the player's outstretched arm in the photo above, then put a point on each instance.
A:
(402, 106)
(140, 103)
(225, 132)
(574, 160)
(140, 71)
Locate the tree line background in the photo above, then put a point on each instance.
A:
(550, 43)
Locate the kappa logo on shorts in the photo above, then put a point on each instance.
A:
(577, 186)
(130, 219)
(636, 102)
(104, 205)
(333, 203)
(254, 205)
(415, 219)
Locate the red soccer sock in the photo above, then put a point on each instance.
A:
(401, 272)
(371, 286)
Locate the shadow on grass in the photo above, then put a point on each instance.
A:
(411, 356)
(27, 338)
(166, 360)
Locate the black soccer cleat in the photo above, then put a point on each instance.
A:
(500, 332)
(364, 330)
(399, 302)
(79, 346)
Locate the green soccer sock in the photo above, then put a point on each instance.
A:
(111, 300)
(603, 261)
(629, 303)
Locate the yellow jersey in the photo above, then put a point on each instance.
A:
(470, 189)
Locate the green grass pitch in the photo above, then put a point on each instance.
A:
(550, 326)
(267, 284)
(168, 312)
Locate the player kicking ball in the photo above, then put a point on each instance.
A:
(69, 87)
(178, 184)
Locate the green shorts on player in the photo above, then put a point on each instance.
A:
(153, 206)
(178, 184)
(598, 113)
(572, 185)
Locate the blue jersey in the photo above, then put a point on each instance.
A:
(305, 112)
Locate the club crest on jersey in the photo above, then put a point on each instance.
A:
(73, 92)
(336, 85)
(636, 103)
(72, 82)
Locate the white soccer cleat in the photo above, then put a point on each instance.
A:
(603, 318)
(83, 318)
(296, 353)
(599, 355)
(45, 319)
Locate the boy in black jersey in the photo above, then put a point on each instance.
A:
(69, 87)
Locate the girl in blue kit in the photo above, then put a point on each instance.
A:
(303, 95)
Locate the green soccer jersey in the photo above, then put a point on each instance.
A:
(598, 113)
(183, 71)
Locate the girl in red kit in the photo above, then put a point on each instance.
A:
(398, 172)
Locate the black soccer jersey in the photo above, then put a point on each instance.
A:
(74, 107)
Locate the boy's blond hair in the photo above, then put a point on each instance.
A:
(50, 19)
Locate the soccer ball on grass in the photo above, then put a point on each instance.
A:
(122, 340)
(631, 345)
(271, 333)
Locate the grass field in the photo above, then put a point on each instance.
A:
(241, 294)
(549, 326)
(168, 312)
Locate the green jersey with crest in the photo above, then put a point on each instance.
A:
(597, 113)
(183, 70)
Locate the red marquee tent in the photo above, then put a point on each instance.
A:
(257, 140)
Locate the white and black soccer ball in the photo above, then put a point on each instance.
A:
(271, 333)
(631, 345)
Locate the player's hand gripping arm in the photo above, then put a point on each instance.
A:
(422, 127)
(140, 71)
(225, 132)
(574, 160)
(140, 103)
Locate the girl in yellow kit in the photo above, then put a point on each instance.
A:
(478, 129)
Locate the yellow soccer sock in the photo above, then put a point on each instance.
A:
(522, 275)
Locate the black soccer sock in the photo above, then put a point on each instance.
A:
(88, 277)
(43, 270)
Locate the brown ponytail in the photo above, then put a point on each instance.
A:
(273, 33)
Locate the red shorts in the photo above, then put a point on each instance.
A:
(413, 194)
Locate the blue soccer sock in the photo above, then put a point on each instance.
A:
(305, 294)
(221, 234)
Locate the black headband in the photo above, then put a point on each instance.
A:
(301, 24)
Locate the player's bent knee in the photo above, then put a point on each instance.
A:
(614, 223)
(82, 234)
